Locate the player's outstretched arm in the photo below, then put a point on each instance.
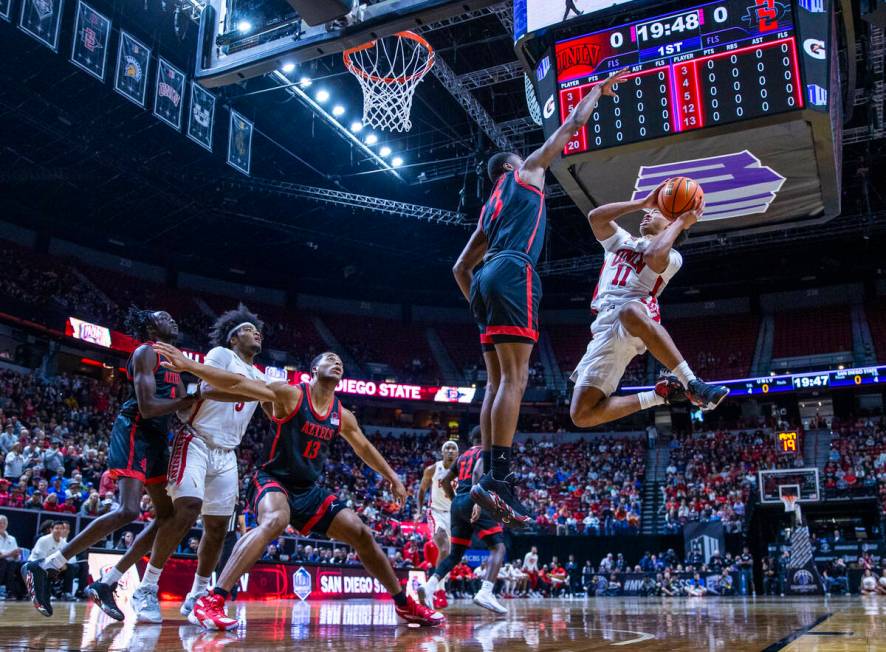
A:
(537, 163)
(470, 257)
(350, 430)
(222, 380)
(602, 219)
(658, 254)
(144, 361)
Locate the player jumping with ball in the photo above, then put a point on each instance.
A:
(634, 273)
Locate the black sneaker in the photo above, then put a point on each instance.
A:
(37, 583)
(103, 595)
(670, 389)
(705, 396)
(497, 497)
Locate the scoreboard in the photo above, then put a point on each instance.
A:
(712, 64)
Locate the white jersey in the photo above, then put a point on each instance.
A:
(220, 424)
(626, 277)
(439, 500)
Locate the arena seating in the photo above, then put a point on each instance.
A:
(570, 343)
(876, 316)
(812, 332)
(857, 461)
(716, 346)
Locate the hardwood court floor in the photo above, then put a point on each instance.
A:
(737, 624)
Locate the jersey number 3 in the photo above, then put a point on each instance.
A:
(312, 449)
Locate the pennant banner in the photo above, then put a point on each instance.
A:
(42, 20)
(170, 94)
(240, 143)
(131, 77)
(6, 10)
(202, 116)
(92, 32)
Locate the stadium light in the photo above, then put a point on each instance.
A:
(305, 82)
(371, 139)
(338, 110)
(322, 96)
(244, 26)
(356, 126)
(288, 67)
(397, 162)
(385, 151)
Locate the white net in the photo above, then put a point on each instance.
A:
(389, 70)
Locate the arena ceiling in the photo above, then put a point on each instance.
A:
(81, 162)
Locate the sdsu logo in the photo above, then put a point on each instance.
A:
(764, 15)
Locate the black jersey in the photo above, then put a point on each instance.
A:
(299, 444)
(465, 465)
(514, 218)
(167, 383)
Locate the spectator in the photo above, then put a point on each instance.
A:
(10, 561)
(530, 568)
(14, 462)
(50, 543)
(868, 583)
(272, 553)
(126, 540)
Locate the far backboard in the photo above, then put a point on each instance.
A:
(774, 483)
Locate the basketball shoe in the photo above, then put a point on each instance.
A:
(705, 396)
(418, 614)
(209, 612)
(37, 583)
(670, 389)
(498, 498)
(103, 595)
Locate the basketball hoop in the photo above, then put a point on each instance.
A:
(790, 503)
(389, 70)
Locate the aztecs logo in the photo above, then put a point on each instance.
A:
(764, 15)
(132, 68)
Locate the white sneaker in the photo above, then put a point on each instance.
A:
(147, 607)
(487, 600)
(188, 605)
(426, 594)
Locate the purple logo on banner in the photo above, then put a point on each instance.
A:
(734, 184)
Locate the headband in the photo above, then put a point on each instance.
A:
(238, 327)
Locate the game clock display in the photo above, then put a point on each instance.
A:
(712, 64)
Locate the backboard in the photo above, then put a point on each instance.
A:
(777, 483)
(227, 55)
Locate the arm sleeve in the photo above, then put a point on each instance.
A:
(614, 241)
(675, 262)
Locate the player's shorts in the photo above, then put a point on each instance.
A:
(137, 452)
(438, 519)
(311, 509)
(197, 470)
(609, 352)
(487, 529)
(505, 294)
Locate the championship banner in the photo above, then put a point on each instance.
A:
(704, 539)
(6, 10)
(92, 32)
(240, 143)
(131, 76)
(42, 20)
(201, 116)
(170, 93)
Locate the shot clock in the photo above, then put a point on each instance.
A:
(712, 64)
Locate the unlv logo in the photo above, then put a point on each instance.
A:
(764, 15)
(734, 184)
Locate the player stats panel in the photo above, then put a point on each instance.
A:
(712, 64)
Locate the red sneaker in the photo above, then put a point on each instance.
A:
(417, 613)
(440, 601)
(209, 612)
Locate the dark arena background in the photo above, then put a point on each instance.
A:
(324, 162)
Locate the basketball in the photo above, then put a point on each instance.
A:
(679, 195)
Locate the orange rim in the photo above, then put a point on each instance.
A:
(412, 36)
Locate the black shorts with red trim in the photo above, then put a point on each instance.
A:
(138, 452)
(311, 509)
(505, 294)
(487, 529)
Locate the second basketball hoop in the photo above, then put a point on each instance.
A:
(389, 70)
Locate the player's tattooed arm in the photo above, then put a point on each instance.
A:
(658, 254)
(602, 219)
(144, 361)
(470, 257)
(364, 449)
(426, 479)
(537, 163)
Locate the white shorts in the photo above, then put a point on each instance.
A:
(609, 352)
(439, 520)
(199, 471)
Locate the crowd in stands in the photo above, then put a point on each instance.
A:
(857, 460)
(710, 475)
